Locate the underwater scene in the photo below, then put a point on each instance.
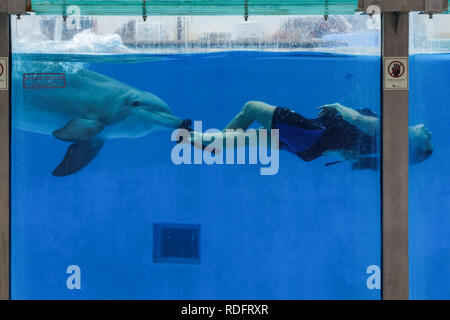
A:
(115, 194)
(429, 245)
(428, 190)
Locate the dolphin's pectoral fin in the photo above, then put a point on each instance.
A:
(79, 129)
(78, 156)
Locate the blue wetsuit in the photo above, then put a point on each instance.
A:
(310, 138)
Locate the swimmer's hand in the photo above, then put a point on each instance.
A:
(334, 109)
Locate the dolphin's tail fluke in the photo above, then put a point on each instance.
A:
(78, 156)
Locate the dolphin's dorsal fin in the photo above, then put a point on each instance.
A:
(79, 129)
(78, 156)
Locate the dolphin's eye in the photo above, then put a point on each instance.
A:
(135, 103)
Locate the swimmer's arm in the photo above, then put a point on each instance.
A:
(367, 124)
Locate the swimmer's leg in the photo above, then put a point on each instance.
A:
(250, 138)
(253, 111)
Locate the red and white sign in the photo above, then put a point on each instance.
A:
(396, 75)
(4, 73)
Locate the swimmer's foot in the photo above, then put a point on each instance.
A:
(186, 124)
(204, 147)
(196, 140)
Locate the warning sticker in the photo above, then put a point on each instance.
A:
(396, 75)
(4, 73)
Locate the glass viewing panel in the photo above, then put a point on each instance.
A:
(113, 195)
(429, 239)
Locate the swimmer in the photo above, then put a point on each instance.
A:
(350, 133)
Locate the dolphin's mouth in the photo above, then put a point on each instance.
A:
(165, 119)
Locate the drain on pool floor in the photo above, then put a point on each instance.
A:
(176, 243)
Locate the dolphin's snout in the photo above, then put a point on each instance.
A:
(167, 119)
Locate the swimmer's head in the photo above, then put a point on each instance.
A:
(420, 147)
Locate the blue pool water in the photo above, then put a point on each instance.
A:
(429, 200)
(308, 232)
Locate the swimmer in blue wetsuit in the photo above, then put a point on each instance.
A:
(351, 133)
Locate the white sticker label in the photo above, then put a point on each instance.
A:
(396, 73)
(4, 73)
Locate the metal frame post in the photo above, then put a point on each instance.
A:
(395, 139)
(4, 163)
(7, 7)
(394, 174)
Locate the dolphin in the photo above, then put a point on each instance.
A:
(89, 110)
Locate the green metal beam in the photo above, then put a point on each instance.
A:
(195, 7)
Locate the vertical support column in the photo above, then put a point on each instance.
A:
(4, 162)
(395, 262)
